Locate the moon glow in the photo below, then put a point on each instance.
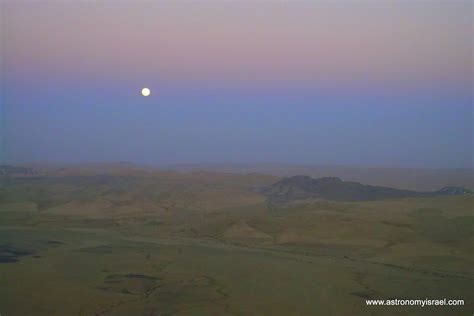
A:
(146, 92)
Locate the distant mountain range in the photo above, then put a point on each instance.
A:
(333, 188)
(394, 182)
(7, 170)
(417, 179)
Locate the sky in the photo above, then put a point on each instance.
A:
(364, 83)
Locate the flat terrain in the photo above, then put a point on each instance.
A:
(207, 243)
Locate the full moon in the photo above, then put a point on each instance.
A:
(146, 92)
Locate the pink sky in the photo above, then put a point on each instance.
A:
(394, 42)
(334, 82)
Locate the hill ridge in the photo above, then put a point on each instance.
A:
(334, 188)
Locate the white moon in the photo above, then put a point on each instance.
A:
(146, 92)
